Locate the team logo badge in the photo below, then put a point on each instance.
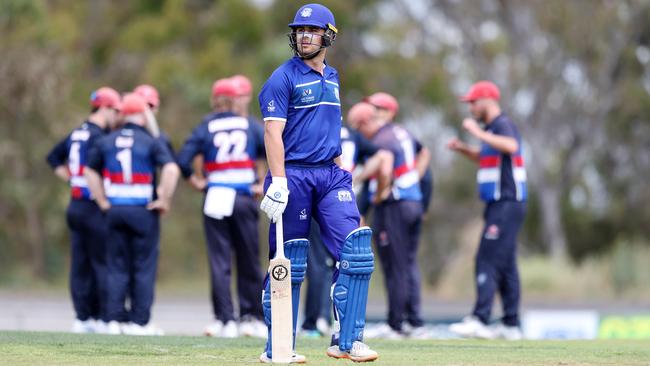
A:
(306, 12)
(345, 196)
(271, 106)
(345, 264)
(303, 214)
(492, 232)
(279, 272)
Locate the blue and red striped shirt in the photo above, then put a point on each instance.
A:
(229, 145)
(72, 151)
(501, 176)
(128, 159)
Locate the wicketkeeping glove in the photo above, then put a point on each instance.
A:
(276, 198)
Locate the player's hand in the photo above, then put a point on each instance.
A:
(276, 198)
(257, 190)
(454, 144)
(198, 183)
(161, 205)
(470, 125)
(104, 205)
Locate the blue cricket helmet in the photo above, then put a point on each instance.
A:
(315, 15)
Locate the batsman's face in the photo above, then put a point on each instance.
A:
(309, 39)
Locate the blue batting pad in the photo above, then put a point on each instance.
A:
(350, 293)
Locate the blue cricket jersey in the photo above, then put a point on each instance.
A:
(309, 104)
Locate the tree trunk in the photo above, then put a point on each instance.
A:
(36, 241)
(552, 230)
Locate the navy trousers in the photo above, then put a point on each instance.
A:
(239, 234)
(396, 231)
(133, 248)
(496, 261)
(88, 231)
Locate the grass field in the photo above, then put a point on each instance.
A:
(25, 348)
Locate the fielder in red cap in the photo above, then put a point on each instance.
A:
(229, 149)
(127, 160)
(152, 98)
(502, 185)
(85, 220)
(241, 104)
(398, 215)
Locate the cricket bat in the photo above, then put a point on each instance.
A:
(281, 307)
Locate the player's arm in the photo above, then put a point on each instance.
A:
(273, 129)
(185, 159)
(94, 164)
(338, 161)
(62, 172)
(381, 162)
(152, 123)
(274, 102)
(384, 175)
(169, 174)
(422, 161)
(166, 188)
(505, 144)
(469, 151)
(260, 163)
(57, 158)
(96, 187)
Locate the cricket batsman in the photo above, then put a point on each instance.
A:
(301, 108)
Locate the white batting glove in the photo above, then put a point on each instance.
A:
(276, 198)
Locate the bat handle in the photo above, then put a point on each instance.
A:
(279, 238)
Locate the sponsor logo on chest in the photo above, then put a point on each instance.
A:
(307, 96)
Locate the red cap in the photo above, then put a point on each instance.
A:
(224, 87)
(105, 97)
(243, 85)
(149, 93)
(383, 101)
(361, 111)
(482, 90)
(133, 103)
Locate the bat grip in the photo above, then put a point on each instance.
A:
(279, 238)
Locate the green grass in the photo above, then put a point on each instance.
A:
(26, 348)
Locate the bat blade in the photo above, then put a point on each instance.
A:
(281, 310)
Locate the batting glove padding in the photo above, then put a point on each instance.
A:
(276, 198)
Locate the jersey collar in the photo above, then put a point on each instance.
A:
(94, 125)
(305, 69)
(489, 126)
(134, 126)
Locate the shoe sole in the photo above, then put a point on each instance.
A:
(354, 359)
